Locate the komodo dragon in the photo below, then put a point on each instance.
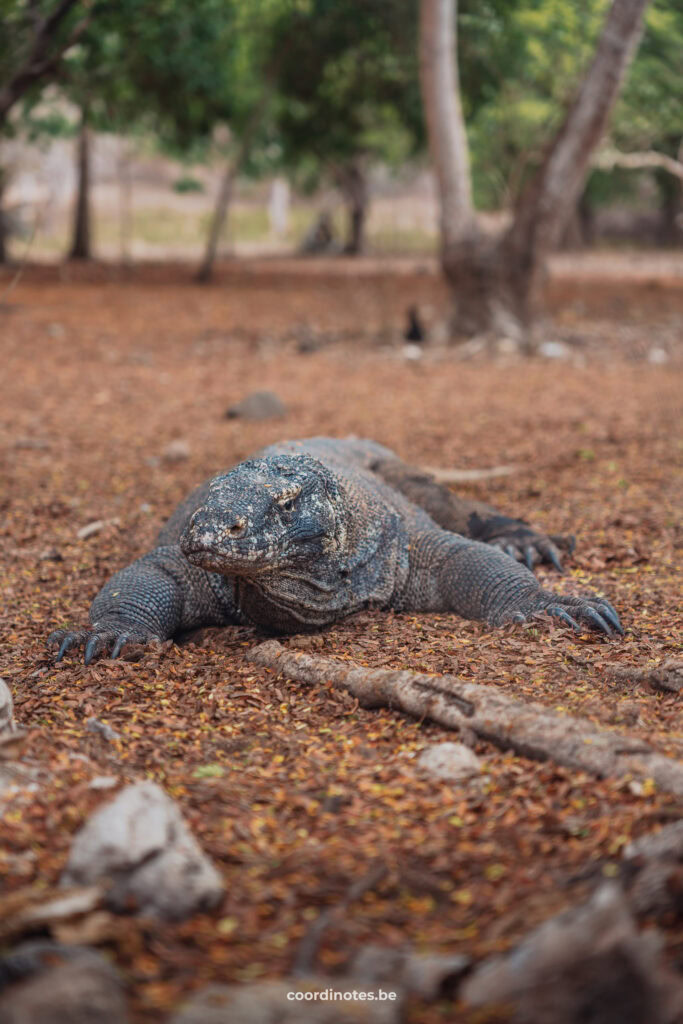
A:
(307, 532)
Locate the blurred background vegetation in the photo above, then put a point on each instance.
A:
(123, 122)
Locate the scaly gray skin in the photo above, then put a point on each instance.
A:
(302, 535)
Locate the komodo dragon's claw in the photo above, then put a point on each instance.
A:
(525, 544)
(590, 612)
(101, 637)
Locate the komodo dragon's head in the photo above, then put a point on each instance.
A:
(267, 515)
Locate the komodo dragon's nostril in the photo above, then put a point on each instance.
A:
(238, 527)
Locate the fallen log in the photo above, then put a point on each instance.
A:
(529, 729)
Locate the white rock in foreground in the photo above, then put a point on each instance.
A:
(7, 723)
(451, 761)
(141, 844)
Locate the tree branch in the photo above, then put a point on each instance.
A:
(40, 62)
(650, 159)
(531, 730)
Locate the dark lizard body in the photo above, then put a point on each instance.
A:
(308, 532)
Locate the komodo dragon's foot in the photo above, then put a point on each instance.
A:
(521, 541)
(590, 612)
(105, 635)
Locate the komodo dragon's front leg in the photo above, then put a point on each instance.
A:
(471, 518)
(452, 573)
(156, 597)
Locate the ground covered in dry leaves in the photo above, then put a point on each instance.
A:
(296, 792)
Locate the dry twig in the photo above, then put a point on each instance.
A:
(531, 730)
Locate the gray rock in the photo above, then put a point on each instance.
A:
(554, 350)
(104, 782)
(176, 451)
(451, 761)
(654, 872)
(141, 844)
(261, 405)
(668, 843)
(297, 1001)
(587, 964)
(7, 723)
(80, 990)
(102, 729)
(427, 976)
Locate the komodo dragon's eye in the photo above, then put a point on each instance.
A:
(287, 498)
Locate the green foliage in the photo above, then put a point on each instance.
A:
(187, 184)
(522, 61)
(344, 80)
(650, 111)
(347, 84)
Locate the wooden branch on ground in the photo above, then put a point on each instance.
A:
(641, 161)
(531, 730)
(664, 678)
(307, 953)
(463, 476)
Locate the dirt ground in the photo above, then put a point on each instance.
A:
(295, 792)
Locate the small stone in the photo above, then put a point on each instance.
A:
(102, 729)
(140, 842)
(104, 782)
(176, 451)
(51, 555)
(261, 405)
(658, 356)
(554, 350)
(145, 508)
(412, 352)
(451, 761)
(56, 331)
(507, 346)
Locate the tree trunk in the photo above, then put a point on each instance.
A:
(3, 220)
(353, 185)
(205, 272)
(496, 282)
(81, 248)
(220, 214)
(551, 195)
(125, 205)
(445, 125)
(670, 189)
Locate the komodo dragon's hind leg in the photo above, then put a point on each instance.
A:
(473, 519)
